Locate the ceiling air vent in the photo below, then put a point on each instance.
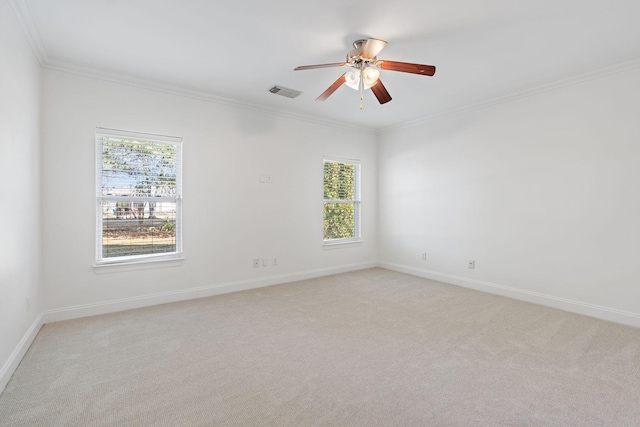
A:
(289, 93)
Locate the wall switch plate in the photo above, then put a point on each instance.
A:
(265, 262)
(275, 261)
(472, 264)
(256, 263)
(424, 256)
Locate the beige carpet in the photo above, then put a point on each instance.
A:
(369, 348)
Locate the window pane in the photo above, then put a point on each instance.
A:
(138, 168)
(339, 220)
(339, 181)
(138, 228)
(138, 189)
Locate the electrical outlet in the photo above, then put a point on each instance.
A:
(256, 263)
(424, 256)
(265, 262)
(472, 264)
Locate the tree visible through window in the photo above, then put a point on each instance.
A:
(341, 201)
(138, 192)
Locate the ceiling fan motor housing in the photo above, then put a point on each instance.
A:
(354, 56)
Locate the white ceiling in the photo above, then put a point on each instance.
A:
(483, 49)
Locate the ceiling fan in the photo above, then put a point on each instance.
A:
(365, 70)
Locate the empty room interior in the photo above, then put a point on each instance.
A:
(217, 213)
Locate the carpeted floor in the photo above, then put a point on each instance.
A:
(368, 348)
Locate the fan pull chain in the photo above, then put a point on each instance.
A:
(361, 87)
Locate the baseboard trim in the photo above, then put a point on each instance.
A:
(18, 353)
(74, 312)
(573, 306)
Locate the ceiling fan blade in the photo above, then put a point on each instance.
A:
(372, 48)
(334, 86)
(380, 92)
(311, 67)
(407, 67)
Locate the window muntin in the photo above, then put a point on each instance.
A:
(341, 201)
(138, 188)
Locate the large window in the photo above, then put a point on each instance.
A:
(341, 201)
(138, 189)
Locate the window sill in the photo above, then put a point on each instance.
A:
(341, 244)
(143, 264)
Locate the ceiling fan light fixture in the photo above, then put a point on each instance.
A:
(352, 78)
(370, 76)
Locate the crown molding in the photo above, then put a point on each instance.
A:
(219, 99)
(156, 86)
(524, 93)
(23, 15)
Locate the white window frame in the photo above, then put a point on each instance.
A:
(102, 133)
(357, 202)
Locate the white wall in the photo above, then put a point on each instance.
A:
(543, 192)
(229, 217)
(19, 185)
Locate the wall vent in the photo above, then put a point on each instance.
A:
(289, 93)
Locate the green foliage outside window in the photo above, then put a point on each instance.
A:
(339, 185)
(339, 221)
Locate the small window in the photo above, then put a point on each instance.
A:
(341, 201)
(139, 198)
